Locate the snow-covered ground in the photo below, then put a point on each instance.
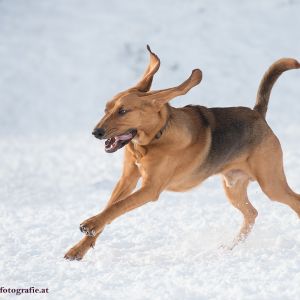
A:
(59, 62)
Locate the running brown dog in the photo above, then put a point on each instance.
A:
(176, 149)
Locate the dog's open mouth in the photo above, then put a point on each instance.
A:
(115, 143)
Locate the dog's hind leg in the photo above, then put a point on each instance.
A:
(267, 166)
(235, 184)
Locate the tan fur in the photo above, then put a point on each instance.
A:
(177, 148)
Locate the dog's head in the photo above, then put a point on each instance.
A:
(137, 113)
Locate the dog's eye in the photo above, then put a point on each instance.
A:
(122, 111)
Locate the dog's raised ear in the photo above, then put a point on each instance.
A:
(163, 96)
(144, 84)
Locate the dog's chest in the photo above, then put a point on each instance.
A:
(138, 164)
(138, 152)
(140, 167)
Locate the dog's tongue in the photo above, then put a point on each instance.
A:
(124, 137)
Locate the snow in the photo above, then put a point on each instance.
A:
(60, 62)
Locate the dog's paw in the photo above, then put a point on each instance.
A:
(91, 226)
(232, 245)
(78, 251)
(84, 228)
(74, 253)
(225, 247)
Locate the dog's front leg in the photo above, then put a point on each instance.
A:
(155, 179)
(128, 180)
(94, 225)
(124, 187)
(81, 248)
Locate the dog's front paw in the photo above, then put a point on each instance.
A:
(75, 253)
(92, 226)
(78, 251)
(225, 247)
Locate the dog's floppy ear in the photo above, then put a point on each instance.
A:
(163, 96)
(144, 84)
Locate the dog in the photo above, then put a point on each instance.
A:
(176, 149)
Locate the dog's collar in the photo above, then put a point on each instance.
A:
(160, 132)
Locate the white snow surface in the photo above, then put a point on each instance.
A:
(60, 61)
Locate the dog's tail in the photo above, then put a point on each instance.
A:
(268, 80)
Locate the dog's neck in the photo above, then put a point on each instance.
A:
(160, 132)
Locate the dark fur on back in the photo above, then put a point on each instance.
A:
(233, 131)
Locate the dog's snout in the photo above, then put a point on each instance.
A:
(99, 133)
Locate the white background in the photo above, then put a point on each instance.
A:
(60, 61)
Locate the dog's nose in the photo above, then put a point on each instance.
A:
(98, 133)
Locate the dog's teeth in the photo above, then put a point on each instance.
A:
(113, 145)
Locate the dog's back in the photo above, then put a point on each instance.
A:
(234, 130)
